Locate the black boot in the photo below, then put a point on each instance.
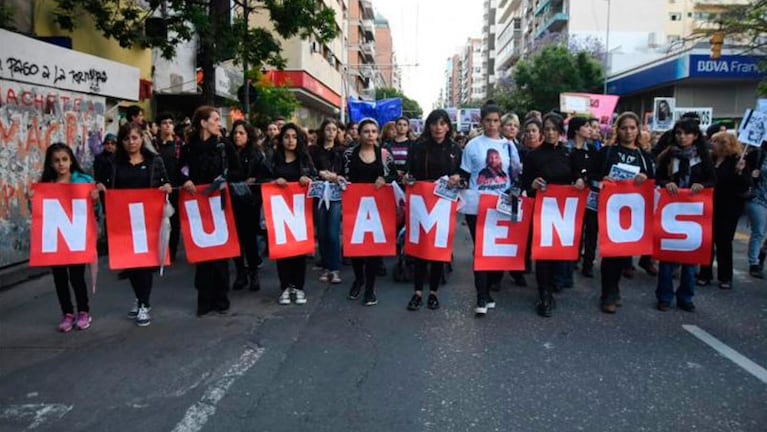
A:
(241, 281)
(546, 305)
(255, 284)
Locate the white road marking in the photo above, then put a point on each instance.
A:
(734, 356)
(36, 413)
(199, 413)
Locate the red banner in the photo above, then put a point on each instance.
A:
(430, 223)
(625, 218)
(208, 230)
(501, 244)
(63, 224)
(683, 227)
(558, 223)
(289, 221)
(133, 230)
(369, 221)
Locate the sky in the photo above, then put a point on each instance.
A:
(426, 33)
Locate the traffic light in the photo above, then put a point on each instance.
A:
(716, 41)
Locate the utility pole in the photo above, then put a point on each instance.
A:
(245, 79)
(607, 48)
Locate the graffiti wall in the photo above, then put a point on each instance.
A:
(31, 118)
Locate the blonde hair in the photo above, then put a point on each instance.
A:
(730, 144)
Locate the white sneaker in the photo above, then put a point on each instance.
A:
(325, 276)
(285, 297)
(335, 277)
(142, 317)
(134, 310)
(300, 297)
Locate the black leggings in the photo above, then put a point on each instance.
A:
(141, 281)
(611, 270)
(420, 272)
(590, 235)
(292, 271)
(482, 279)
(725, 225)
(211, 278)
(365, 269)
(246, 219)
(73, 274)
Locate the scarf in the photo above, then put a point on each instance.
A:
(684, 156)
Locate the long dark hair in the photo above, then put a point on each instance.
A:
(249, 132)
(125, 130)
(200, 114)
(321, 138)
(49, 174)
(432, 118)
(302, 154)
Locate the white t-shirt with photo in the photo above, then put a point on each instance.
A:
(478, 157)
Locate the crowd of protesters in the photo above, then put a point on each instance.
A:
(506, 156)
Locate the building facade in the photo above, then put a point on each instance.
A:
(488, 44)
(384, 52)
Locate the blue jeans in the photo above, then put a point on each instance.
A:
(757, 216)
(328, 233)
(665, 290)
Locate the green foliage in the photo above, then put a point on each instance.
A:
(744, 27)
(269, 101)
(472, 104)
(410, 108)
(538, 81)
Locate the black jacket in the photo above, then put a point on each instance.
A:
(203, 161)
(427, 160)
(702, 172)
(170, 151)
(730, 186)
(614, 154)
(549, 162)
(102, 167)
(388, 170)
(158, 175)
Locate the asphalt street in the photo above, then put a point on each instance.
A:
(334, 365)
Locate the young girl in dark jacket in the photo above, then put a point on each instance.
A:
(206, 158)
(685, 164)
(433, 156)
(291, 163)
(548, 164)
(364, 163)
(135, 167)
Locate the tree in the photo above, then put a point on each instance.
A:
(220, 37)
(537, 82)
(744, 26)
(269, 101)
(410, 108)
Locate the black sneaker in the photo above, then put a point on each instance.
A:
(433, 302)
(415, 302)
(370, 299)
(588, 271)
(240, 282)
(255, 283)
(546, 306)
(687, 307)
(481, 309)
(756, 271)
(354, 291)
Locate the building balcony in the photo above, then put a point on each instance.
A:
(367, 9)
(552, 22)
(368, 51)
(369, 28)
(541, 7)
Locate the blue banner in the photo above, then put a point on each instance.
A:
(384, 110)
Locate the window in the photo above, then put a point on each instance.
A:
(675, 16)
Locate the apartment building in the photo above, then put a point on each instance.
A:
(384, 52)
(488, 43)
(472, 87)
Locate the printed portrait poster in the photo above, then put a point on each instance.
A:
(558, 222)
(430, 223)
(493, 177)
(133, 230)
(207, 226)
(63, 224)
(663, 114)
(369, 221)
(683, 227)
(625, 218)
(501, 241)
(289, 221)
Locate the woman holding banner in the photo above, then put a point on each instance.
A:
(327, 157)
(491, 164)
(135, 167)
(606, 168)
(364, 163)
(61, 166)
(434, 155)
(732, 182)
(685, 164)
(292, 163)
(548, 164)
(208, 158)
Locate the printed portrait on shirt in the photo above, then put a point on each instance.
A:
(492, 176)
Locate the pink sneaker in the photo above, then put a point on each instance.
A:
(67, 323)
(83, 320)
